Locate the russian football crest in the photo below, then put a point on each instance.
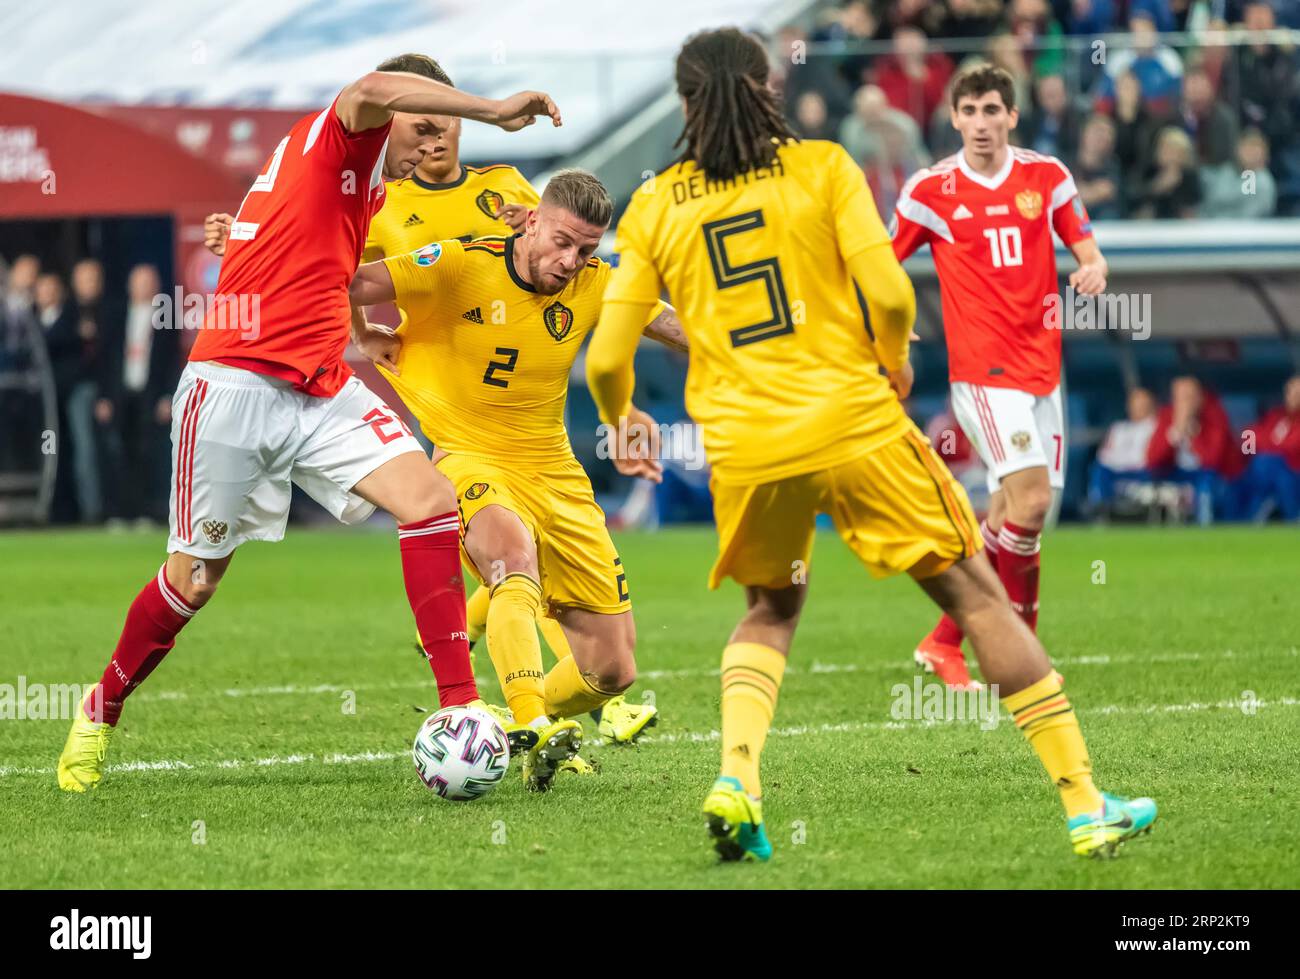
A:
(1029, 203)
(214, 530)
(558, 319)
(1021, 441)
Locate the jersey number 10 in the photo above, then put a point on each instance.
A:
(1005, 245)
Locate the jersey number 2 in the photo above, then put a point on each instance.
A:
(378, 420)
(505, 366)
(765, 270)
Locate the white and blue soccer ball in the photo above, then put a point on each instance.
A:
(461, 753)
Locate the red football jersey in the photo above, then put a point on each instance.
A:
(991, 238)
(294, 247)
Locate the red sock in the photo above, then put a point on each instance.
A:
(948, 631)
(990, 543)
(152, 622)
(436, 591)
(1018, 569)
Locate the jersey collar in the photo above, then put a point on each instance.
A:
(989, 183)
(464, 173)
(510, 266)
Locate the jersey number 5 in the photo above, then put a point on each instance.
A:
(766, 271)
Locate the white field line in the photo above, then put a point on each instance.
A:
(815, 667)
(849, 727)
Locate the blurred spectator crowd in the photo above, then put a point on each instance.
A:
(113, 375)
(1200, 123)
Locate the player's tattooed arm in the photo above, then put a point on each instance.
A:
(1089, 278)
(373, 98)
(216, 229)
(377, 343)
(667, 329)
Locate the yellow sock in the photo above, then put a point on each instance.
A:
(513, 645)
(569, 692)
(751, 677)
(554, 636)
(476, 613)
(1043, 713)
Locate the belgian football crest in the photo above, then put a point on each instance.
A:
(559, 320)
(490, 203)
(475, 491)
(1029, 203)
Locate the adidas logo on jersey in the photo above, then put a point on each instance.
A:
(412, 221)
(474, 315)
(962, 212)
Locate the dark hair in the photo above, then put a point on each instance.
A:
(733, 120)
(581, 194)
(417, 64)
(975, 81)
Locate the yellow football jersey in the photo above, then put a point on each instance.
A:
(416, 212)
(783, 376)
(485, 358)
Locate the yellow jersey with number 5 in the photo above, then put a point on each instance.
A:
(485, 358)
(783, 376)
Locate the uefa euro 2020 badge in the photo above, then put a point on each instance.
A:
(429, 254)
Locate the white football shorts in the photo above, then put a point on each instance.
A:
(240, 438)
(1012, 430)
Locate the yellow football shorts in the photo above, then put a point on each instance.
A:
(897, 507)
(576, 558)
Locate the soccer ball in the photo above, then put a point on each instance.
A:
(461, 752)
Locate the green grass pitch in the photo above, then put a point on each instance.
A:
(238, 765)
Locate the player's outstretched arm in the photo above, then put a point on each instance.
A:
(609, 358)
(372, 284)
(667, 329)
(1089, 278)
(372, 99)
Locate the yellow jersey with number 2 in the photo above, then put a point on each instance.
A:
(485, 358)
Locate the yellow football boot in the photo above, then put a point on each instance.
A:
(735, 822)
(622, 722)
(557, 742)
(81, 765)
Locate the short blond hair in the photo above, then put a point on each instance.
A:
(581, 194)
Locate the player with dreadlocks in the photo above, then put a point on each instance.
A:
(762, 241)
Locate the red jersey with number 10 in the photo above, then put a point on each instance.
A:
(282, 305)
(991, 238)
